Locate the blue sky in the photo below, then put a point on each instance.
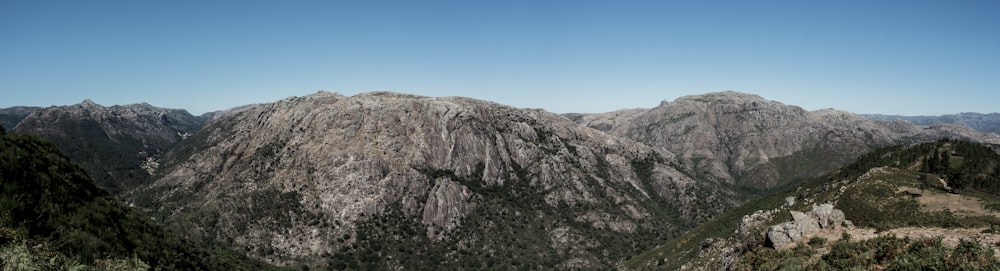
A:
(894, 57)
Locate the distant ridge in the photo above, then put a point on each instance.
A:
(982, 122)
(756, 143)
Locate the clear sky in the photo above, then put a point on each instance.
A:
(906, 57)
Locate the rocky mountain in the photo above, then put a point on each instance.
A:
(391, 181)
(55, 218)
(755, 143)
(989, 123)
(11, 116)
(928, 206)
(118, 145)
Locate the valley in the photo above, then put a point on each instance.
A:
(393, 181)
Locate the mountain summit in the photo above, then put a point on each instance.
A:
(756, 143)
(383, 180)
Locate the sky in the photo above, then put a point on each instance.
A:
(908, 57)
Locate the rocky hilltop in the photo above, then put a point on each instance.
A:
(118, 145)
(386, 180)
(927, 206)
(756, 143)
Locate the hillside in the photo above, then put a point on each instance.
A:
(119, 146)
(989, 123)
(55, 218)
(386, 180)
(758, 144)
(898, 210)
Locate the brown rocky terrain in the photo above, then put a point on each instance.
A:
(324, 174)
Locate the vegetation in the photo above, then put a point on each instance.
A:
(972, 167)
(889, 252)
(515, 231)
(60, 218)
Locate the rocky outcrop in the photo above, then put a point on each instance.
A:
(493, 180)
(749, 141)
(119, 146)
(822, 216)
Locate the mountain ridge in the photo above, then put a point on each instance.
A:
(117, 145)
(331, 181)
(443, 172)
(734, 136)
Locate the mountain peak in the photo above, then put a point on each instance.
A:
(729, 97)
(88, 103)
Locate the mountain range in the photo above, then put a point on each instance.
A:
(983, 122)
(387, 180)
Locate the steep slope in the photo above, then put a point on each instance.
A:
(50, 205)
(385, 180)
(989, 123)
(898, 210)
(117, 145)
(760, 144)
(11, 116)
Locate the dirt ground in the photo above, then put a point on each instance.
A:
(932, 201)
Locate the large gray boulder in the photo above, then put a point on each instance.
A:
(820, 217)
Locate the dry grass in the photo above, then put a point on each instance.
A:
(933, 201)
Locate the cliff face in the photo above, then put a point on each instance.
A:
(118, 145)
(312, 179)
(752, 142)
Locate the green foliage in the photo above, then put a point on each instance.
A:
(890, 252)
(47, 197)
(869, 204)
(817, 241)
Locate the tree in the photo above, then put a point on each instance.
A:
(933, 162)
(945, 160)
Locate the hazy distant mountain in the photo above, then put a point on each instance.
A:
(982, 122)
(117, 145)
(756, 143)
(11, 116)
(386, 181)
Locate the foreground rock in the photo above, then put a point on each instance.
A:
(823, 216)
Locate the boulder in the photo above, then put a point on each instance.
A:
(820, 217)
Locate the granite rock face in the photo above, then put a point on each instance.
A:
(746, 140)
(460, 168)
(823, 216)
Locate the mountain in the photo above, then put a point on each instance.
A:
(928, 206)
(989, 123)
(11, 116)
(55, 218)
(387, 181)
(118, 146)
(756, 144)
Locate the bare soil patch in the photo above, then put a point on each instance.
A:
(933, 201)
